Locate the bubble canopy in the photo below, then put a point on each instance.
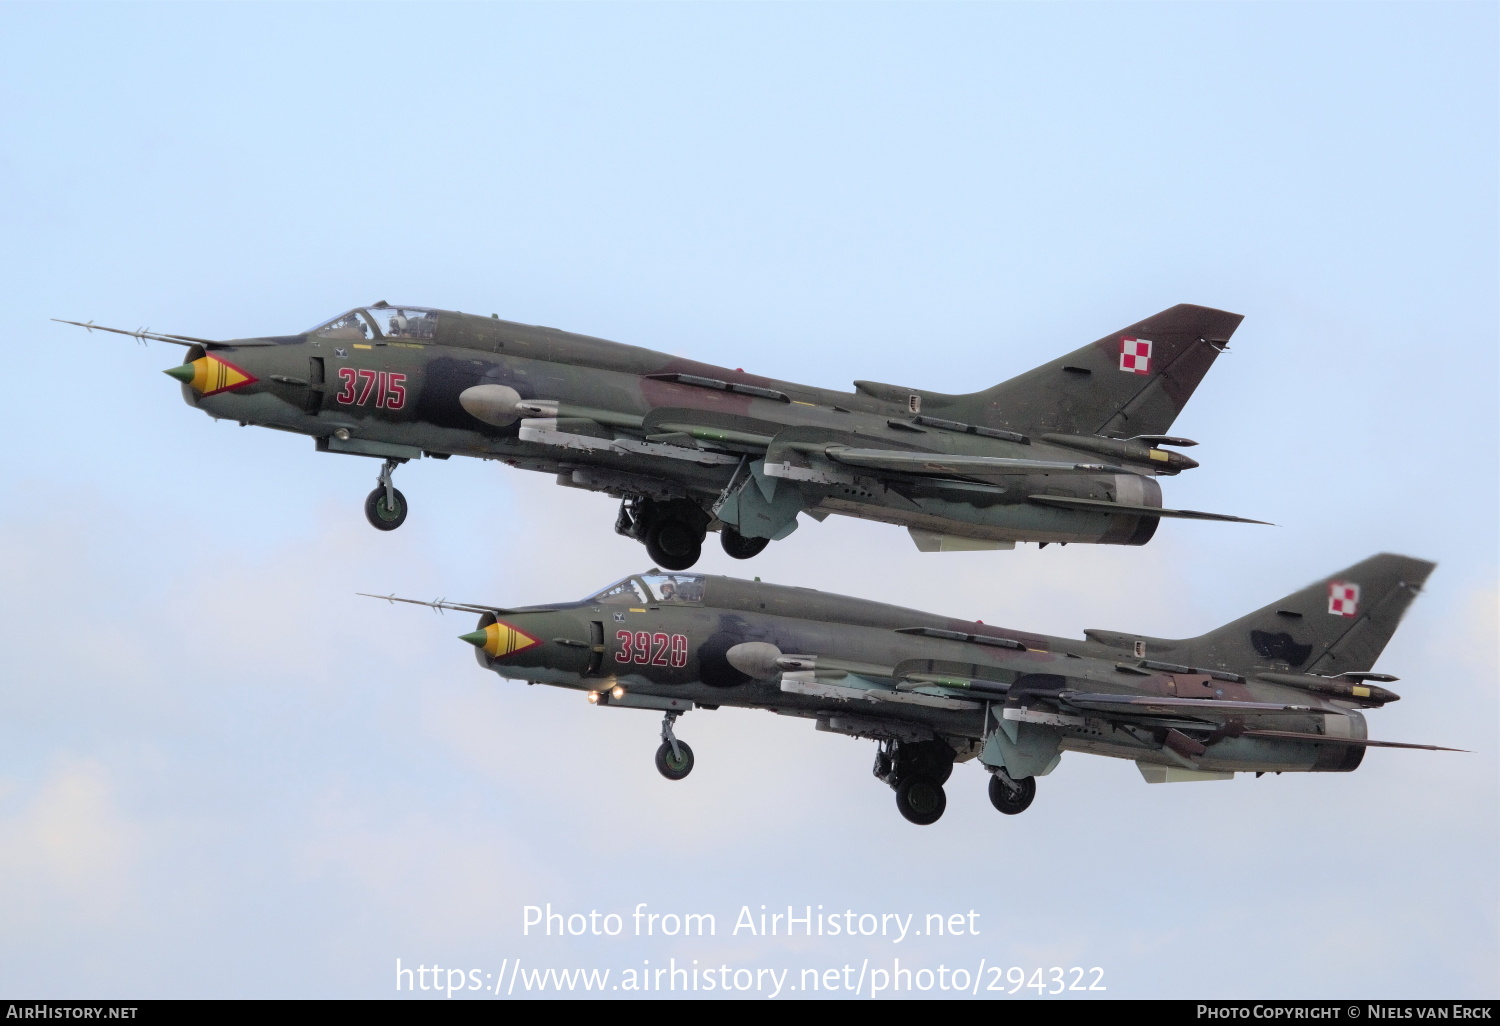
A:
(382, 321)
(652, 589)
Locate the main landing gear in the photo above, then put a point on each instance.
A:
(674, 759)
(917, 770)
(737, 546)
(672, 531)
(385, 507)
(1011, 796)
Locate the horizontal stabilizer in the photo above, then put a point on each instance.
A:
(1292, 735)
(1105, 506)
(1174, 706)
(902, 461)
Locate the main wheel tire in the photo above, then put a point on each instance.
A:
(1011, 796)
(737, 546)
(921, 800)
(670, 766)
(673, 545)
(379, 513)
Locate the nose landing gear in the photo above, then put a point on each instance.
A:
(674, 759)
(385, 507)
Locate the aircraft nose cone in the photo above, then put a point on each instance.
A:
(500, 639)
(210, 375)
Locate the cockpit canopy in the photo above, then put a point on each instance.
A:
(381, 321)
(652, 589)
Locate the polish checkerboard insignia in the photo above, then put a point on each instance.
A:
(1135, 355)
(1343, 598)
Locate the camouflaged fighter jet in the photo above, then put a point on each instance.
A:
(1279, 690)
(1068, 452)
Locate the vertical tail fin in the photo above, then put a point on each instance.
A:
(1339, 624)
(1131, 382)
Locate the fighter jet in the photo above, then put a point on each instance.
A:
(1283, 689)
(1068, 452)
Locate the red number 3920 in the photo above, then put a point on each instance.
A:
(650, 649)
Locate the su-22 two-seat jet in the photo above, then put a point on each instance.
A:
(1280, 690)
(1068, 452)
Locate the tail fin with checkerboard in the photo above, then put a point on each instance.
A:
(1340, 624)
(1132, 382)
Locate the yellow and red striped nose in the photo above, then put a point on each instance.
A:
(209, 375)
(500, 639)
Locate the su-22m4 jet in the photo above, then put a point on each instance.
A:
(1068, 452)
(1280, 690)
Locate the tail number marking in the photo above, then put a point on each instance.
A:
(651, 649)
(358, 386)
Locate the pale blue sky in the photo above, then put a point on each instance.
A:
(222, 774)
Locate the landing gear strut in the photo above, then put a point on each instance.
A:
(1011, 796)
(674, 759)
(917, 770)
(672, 531)
(385, 507)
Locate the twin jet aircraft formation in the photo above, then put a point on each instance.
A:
(1072, 451)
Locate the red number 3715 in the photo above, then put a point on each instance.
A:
(388, 388)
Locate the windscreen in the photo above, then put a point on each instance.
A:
(346, 325)
(623, 593)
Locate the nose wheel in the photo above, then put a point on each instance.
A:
(385, 507)
(674, 759)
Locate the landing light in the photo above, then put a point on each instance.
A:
(618, 691)
(593, 698)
